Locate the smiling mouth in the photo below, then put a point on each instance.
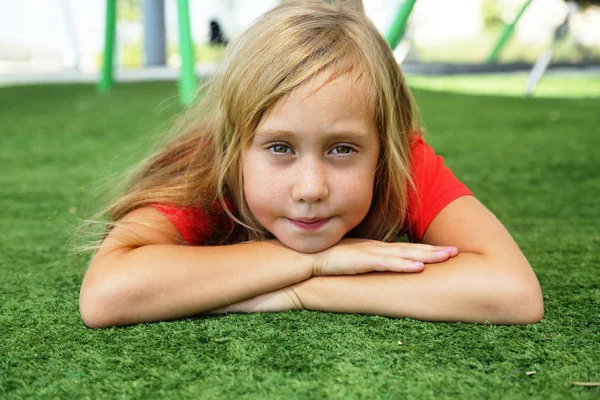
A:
(309, 224)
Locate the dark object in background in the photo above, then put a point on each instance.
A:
(586, 3)
(216, 34)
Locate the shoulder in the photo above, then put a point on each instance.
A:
(427, 166)
(191, 223)
(435, 186)
(140, 227)
(198, 225)
(422, 154)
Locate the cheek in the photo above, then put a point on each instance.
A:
(262, 187)
(362, 195)
(358, 192)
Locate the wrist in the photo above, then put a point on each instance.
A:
(294, 294)
(316, 262)
(303, 263)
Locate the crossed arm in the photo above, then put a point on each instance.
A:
(488, 279)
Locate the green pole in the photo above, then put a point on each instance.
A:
(187, 77)
(398, 27)
(106, 79)
(508, 31)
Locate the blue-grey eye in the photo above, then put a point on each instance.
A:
(280, 148)
(343, 149)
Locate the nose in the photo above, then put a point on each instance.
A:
(310, 184)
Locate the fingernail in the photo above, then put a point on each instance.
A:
(450, 249)
(418, 264)
(443, 252)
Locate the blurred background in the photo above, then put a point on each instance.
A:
(64, 40)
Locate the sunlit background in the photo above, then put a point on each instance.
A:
(63, 40)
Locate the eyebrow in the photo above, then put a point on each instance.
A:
(337, 135)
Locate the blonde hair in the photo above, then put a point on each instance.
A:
(284, 48)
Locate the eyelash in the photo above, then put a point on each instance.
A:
(345, 146)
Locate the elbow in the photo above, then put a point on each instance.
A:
(95, 307)
(93, 317)
(517, 302)
(529, 309)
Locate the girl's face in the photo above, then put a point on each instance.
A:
(310, 169)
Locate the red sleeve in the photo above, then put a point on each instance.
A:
(191, 223)
(198, 226)
(436, 187)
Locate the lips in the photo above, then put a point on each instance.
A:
(309, 220)
(309, 224)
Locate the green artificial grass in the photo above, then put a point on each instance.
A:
(535, 163)
(552, 84)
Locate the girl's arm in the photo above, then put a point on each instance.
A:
(141, 273)
(163, 280)
(489, 280)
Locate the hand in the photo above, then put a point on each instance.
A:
(280, 300)
(358, 256)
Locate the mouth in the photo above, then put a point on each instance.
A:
(309, 224)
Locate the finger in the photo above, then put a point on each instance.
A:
(395, 264)
(450, 249)
(416, 254)
(385, 245)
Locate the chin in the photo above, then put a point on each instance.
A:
(309, 246)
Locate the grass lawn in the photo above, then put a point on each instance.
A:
(535, 163)
(552, 84)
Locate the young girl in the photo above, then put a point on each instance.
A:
(287, 187)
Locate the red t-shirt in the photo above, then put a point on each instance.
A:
(436, 188)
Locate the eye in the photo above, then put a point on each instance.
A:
(343, 149)
(280, 148)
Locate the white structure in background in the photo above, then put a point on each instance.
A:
(54, 35)
(39, 35)
(34, 34)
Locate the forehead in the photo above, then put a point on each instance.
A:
(318, 113)
(324, 99)
(346, 85)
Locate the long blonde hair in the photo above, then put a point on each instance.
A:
(284, 48)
